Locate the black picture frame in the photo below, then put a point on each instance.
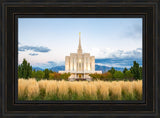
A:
(145, 9)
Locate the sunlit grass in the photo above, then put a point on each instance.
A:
(79, 90)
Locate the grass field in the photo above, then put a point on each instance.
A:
(79, 90)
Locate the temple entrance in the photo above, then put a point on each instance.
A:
(80, 75)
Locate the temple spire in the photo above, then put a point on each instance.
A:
(79, 46)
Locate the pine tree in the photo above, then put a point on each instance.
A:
(140, 71)
(135, 70)
(24, 70)
(112, 70)
(125, 69)
(46, 74)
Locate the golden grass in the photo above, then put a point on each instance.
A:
(90, 89)
(94, 90)
(43, 84)
(138, 86)
(127, 87)
(62, 88)
(50, 87)
(76, 87)
(22, 85)
(29, 88)
(104, 91)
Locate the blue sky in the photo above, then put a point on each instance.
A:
(45, 40)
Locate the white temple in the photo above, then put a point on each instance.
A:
(80, 64)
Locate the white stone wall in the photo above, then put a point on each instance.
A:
(92, 59)
(67, 64)
(80, 63)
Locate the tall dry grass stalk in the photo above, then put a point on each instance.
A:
(104, 91)
(63, 88)
(77, 88)
(28, 88)
(22, 86)
(43, 84)
(116, 91)
(90, 89)
(101, 90)
(51, 87)
(127, 87)
(32, 88)
(137, 85)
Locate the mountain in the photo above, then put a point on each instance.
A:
(118, 62)
(102, 68)
(49, 64)
(106, 68)
(97, 68)
(100, 64)
(37, 68)
(58, 68)
(55, 69)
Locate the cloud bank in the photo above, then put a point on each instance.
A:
(33, 54)
(34, 48)
(116, 53)
(118, 62)
(117, 57)
(107, 57)
(48, 64)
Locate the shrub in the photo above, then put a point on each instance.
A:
(118, 75)
(39, 74)
(106, 76)
(128, 75)
(54, 76)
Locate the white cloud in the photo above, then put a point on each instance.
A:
(113, 65)
(116, 53)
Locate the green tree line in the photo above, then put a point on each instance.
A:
(25, 71)
(134, 73)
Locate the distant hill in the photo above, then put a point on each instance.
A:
(62, 68)
(58, 68)
(106, 68)
(120, 62)
(102, 68)
(100, 64)
(37, 68)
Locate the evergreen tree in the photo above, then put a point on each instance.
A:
(135, 70)
(19, 71)
(140, 71)
(46, 74)
(125, 69)
(24, 70)
(112, 70)
(50, 71)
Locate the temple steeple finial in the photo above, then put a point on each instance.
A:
(79, 46)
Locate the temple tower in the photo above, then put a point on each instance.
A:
(80, 64)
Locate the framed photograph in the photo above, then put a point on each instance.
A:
(79, 58)
(113, 73)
